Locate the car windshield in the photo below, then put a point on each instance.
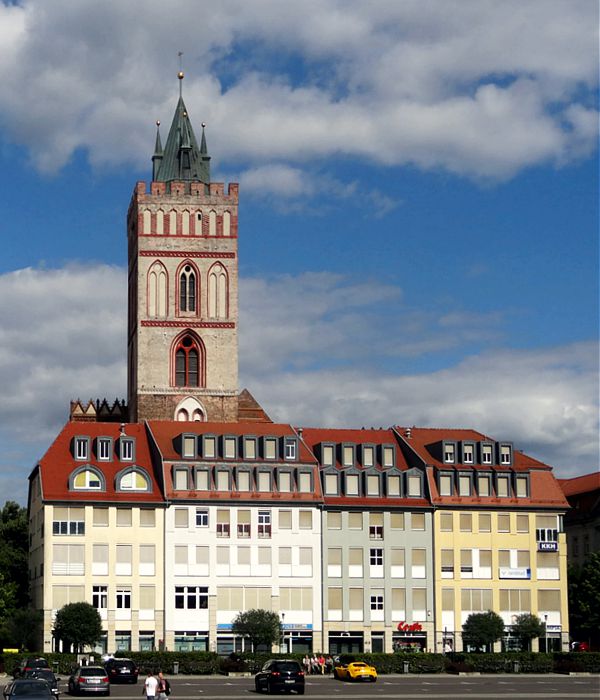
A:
(287, 666)
(359, 663)
(33, 688)
(44, 673)
(92, 671)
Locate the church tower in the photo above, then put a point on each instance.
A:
(182, 332)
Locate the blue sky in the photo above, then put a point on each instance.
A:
(418, 207)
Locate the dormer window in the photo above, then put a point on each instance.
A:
(263, 481)
(229, 447)
(348, 455)
(449, 453)
(209, 446)
(305, 482)
(290, 448)
(82, 448)
(87, 479)
(415, 487)
(502, 486)
(133, 480)
(188, 446)
(328, 455)
(104, 449)
(445, 484)
(373, 485)
(352, 485)
(249, 448)
(284, 482)
(270, 448)
(126, 449)
(468, 456)
(330, 484)
(242, 480)
(505, 454)
(522, 486)
(368, 455)
(464, 484)
(387, 456)
(486, 454)
(483, 485)
(180, 479)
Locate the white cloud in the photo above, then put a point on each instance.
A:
(479, 88)
(316, 349)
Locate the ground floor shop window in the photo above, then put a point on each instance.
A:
(377, 642)
(146, 641)
(409, 641)
(346, 643)
(191, 641)
(101, 646)
(297, 642)
(123, 641)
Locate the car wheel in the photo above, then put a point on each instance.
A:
(300, 691)
(257, 687)
(271, 689)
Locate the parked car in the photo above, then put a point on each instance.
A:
(29, 663)
(89, 679)
(121, 671)
(28, 689)
(280, 674)
(44, 674)
(355, 671)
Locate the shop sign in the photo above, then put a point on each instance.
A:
(294, 626)
(547, 546)
(405, 627)
(515, 573)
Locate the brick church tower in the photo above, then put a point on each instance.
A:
(182, 331)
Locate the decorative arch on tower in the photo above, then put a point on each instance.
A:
(156, 291)
(160, 222)
(190, 409)
(218, 291)
(226, 223)
(188, 360)
(188, 289)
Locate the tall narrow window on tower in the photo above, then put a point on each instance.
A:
(218, 291)
(187, 362)
(187, 289)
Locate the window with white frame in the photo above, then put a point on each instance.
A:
(134, 480)
(376, 557)
(222, 480)
(377, 601)
(468, 450)
(201, 517)
(505, 454)
(290, 448)
(223, 527)
(126, 449)
(123, 598)
(376, 526)
(87, 480)
(104, 449)
(82, 448)
(264, 523)
(202, 480)
(486, 454)
(181, 479)
(68, 521)
(191, 597)
(449, 452)
(243, 523)
(285, 519)
(368, 455)
(100, 597)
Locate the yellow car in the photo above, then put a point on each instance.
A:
(355, 671)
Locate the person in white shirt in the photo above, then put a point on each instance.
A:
(150, 686)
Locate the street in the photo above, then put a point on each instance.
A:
(408, 687)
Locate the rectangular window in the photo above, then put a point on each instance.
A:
(68, 559)
(355, 521)
(68, 521)
(222, 480)
(446, 524)
(334, 520)
(243, 481)
(485, 522)
(505, 454)
(285, 519)
(502, 486)
(334, 562)
(331, 484)
(368, 456)
(123, 517)
(466, 563)
(377, 601)
(466, 522)
(397, 562)
(100, 597)
(475, 599)
(82, 448)
(249, 448)
(503, 523)
(449, 452)
(446, 485)
(188, 446)
(352, 485)
(397, 521)
(100, 516)
(181, 479)
(243, 556)
(447, 557)
(373, 485)
(209, 447)
(126, 449)
(468, 453)
(201, 517)
(522, 523)
(306, 520)
(388, 456)
(264, 481)
(376, 557)
(124, 558)
(285, 555)
(376, 526)
(270, 448)
(229, 447)
(414, 486)
(522, 486)
(290, 448)
(305, 482)
(464, 485)
(100, 560)
(418, 569)
(483, 485)
(123, 599)
(223, 523)
(147, 517)
(348, 455)
(147, 560)
(264, 523)
(284, 480)
(104, 447)
(202, 480)
(394, 485)
(243, 523)
(486, 454)
(181, 517)
(191, 597)
(328, 455)
(355, 562)
(417, 521)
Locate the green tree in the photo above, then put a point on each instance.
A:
(14, 550)
(584, 600)
(22, 629)
(8, 591)
(261, 627)
(527, 627)
(483, 629)
(78, 624)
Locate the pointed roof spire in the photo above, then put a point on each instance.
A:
(182, 159)
(158, 152)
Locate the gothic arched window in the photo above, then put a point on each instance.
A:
(188, 362)
(157, 291)
(187, 289)
(218, 291)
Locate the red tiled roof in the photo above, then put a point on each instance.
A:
(580, 484)
(58, 463)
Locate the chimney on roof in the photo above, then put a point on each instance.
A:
(300, 432)
(408, 433)
(122, 429)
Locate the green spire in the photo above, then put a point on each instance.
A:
(158, 152)
(182, 159)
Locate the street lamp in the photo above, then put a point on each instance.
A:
(546, 631)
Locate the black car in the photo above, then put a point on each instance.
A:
(280, 674)
(28, 689)
(29, 663)
(121, 671)
(44, 674)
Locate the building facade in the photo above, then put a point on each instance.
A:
(173, 512)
